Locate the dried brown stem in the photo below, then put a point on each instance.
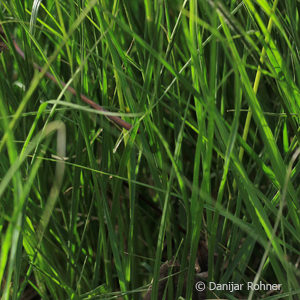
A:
(85, 99)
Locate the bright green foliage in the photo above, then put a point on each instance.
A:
(89, 210)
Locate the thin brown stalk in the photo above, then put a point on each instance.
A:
(84, 98)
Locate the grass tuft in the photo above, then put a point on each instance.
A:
(184, 166)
